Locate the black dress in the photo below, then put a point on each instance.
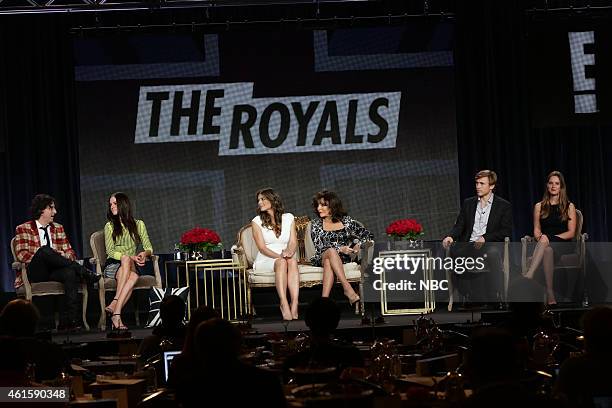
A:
(553, 225)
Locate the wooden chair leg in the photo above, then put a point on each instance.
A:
(84, 308)
(136, 309)
(102, 299)
(361, 294)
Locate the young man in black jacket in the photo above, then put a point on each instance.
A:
(483, 222)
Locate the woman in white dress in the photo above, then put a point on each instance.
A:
(276, 239)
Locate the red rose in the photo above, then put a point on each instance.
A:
(200, 236)
(405, 228)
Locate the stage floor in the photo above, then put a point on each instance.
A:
(348, 321)
(351, 324)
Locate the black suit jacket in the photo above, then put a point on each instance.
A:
(499, 225)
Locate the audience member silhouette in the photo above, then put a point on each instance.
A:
(322, 317)
(525, 319)
(184, 364)
(495, 370)
(170, 334)
(19, 319)
(584, 381)
(13, 363)
(220, 377)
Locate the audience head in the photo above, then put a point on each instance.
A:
(597, 324)
(201, 314)
(526, 316)
(40, 203)
(493, 357)
(322, 316)
(555, 187)
(19, 318)
(326, 203)
(172, 311)
(217, 341)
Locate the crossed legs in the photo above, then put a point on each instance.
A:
(332, 268)
(126, 278)
(287, 277)
(545, 255)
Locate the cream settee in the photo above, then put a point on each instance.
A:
(245, 251)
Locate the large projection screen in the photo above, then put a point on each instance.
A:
(190, 126)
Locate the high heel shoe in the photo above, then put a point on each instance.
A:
(354, 300)
(120, 326)
(551, 298)
(108, 310)
(285, 319)
(295, 315)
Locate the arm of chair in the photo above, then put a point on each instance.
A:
(101, 287)
(506, 264)
(238, 255)
(582, 238)
(16, 266)
(98, 267)
(158, 281)
(449, 280)
(524, 241)
(366, 255)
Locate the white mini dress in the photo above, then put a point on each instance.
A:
(262, 262)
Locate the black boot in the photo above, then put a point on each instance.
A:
(85, 274)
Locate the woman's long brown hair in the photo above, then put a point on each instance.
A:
(563, 200)
(124, 216)
(277, 206)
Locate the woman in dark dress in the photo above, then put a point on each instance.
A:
(337, 239)
(554, 224)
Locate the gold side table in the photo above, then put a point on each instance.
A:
(228, 285)
(429, 302)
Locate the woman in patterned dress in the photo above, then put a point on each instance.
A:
(337, 239)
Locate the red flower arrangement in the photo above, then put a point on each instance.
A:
(200, 239)
(409, 229)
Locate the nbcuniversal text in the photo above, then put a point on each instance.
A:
(412, 264)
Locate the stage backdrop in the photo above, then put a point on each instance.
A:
(569, 66)
(191, 125)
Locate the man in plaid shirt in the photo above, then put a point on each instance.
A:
(43, 246)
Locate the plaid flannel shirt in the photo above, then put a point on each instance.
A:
(27, 242)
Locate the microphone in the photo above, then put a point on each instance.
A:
(355, 242)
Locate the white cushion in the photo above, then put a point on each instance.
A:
(308, 273)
